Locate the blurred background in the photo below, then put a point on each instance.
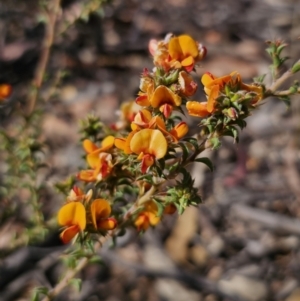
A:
(243, 242)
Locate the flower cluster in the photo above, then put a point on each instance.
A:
(138, 163)
(81, 214)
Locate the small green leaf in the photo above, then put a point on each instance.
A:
(160, 207)
(296, 67)
(286, 100)
(76, 283)
(35, 296)
(192, 141)
(206, 161)
(215, 142)
(96, 259)
(185, 151)
(39, 291)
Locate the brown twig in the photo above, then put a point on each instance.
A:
(286, 93)
(54, 10)
(275, 86)
(65, 281)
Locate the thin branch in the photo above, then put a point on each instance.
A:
(286, 93)
(275, 86)
(65, 281)
(54, 10)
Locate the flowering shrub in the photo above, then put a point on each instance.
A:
(132, 164)
(136, 169)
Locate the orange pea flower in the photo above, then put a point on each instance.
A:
(160, 52)
(124, 143)
(188, 86)
(5, 91)
(165, 99)
(76, 194)
(141, 120)
(148, 217)
(185, 52)
(101, 165)
(73, 217)
(92, 148)
(179, 131)
(147, 88)
(212, 88)
(99, 160)
(100, 212)
(144, 120)
(149, 145)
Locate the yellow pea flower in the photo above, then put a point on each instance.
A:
(179, 131)
(149, 144)
(148, 217)
(212, 87)
(76, 194)
(141, 120)
(73, 217)
(98, 159)
(165, 99)
(124, 143)
(188, 86)
(91, 147)
(185, 51)
(147, 88)
(100, 212)
(101, 165)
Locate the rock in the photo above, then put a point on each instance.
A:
(169, 289)
(244, 287)
(157, 260)
(216, 246)
(215, 273)
(250, 270)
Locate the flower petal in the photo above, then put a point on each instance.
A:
(147, 161)
(153, 218)
(72, 213)
(142, 222)
(86, 175)
(180, 130)
(214, 93)
(69, 233)
(100, 208)
(188, 46)
(108, 142)
(107, 224)
(93, 159)
(143, 100)
(89, 146)
(187, 85)
(206, 79)
(175, 50)
(188, 62)
(198, 109)
(163, 95)
(150, 142)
